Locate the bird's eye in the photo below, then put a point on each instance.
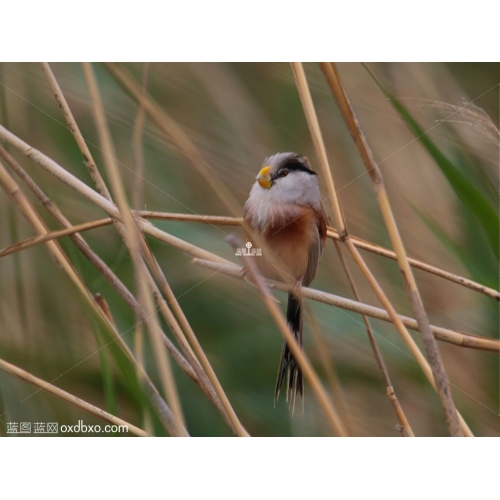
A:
(284, 173)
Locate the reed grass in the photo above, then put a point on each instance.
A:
(433, 355)
(152, 298)
(442, 385)
(332, 233)
(70, 398)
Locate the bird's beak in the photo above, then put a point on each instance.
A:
(264, 179)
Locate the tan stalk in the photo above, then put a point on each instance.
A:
(440, 377)
(315, 131)
(137, 199)
(70, 398)
(322, 350)
(25, 207)
(384, 252)
(444, 334)
(391, 394)
(137, 152)
(173, 130)
(132, 236)
(115, 282)
(317, 137)
(54, 235)
(73, 126)
(52, 167)
(82, 245)
(300, 357)
(238, 221)
(69, 179)
(182, 326)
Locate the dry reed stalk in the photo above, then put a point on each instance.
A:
(314, 128)
(70, 180)
(137, 197)
(181, 140)
(301, 359)
(222, 220)
(70, 398)
(238, 221)
(446, 335)
(52, 167)
(132, 236)
(54, 235)
(430, 344)
(315, 131)
(403, 421)
(201, 377)
(73, 126)
(25, 207)
(82, 245)
(338, 395)
(183, 329)
(141, 315)
(385, 252)
(443, 334)
(137, 152)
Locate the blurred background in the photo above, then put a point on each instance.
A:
(237, 114)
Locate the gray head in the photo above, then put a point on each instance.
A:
(287, 178)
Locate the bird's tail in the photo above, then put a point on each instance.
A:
(289, 368)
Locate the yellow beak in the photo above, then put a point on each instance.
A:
(264, 179)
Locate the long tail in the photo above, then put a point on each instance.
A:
(288, 366)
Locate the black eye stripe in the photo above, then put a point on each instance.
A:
(293, 166)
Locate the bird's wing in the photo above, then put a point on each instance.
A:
(315, 250)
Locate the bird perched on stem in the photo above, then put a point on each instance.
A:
(284, 218)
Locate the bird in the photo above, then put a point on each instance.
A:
(283, 217)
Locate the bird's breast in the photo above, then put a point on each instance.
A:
(285, 234)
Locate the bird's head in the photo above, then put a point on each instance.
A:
(287, 178)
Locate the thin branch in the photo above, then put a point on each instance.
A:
(137, 151)
(132, 237)
(82, 143)
(403, 421)
(315, 131)
(69, 179)
(56, 170)
(70, 398)
(183, 329)
(82, 245)
(431, 347)
(238, 221)
(25, 207)
(141, 315)
(298, 354)
(384, 252)
(54, 235)
(443, 334)
(178, 136)
(338, 394)
(137, 197)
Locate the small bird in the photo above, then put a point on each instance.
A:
(284, 218)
